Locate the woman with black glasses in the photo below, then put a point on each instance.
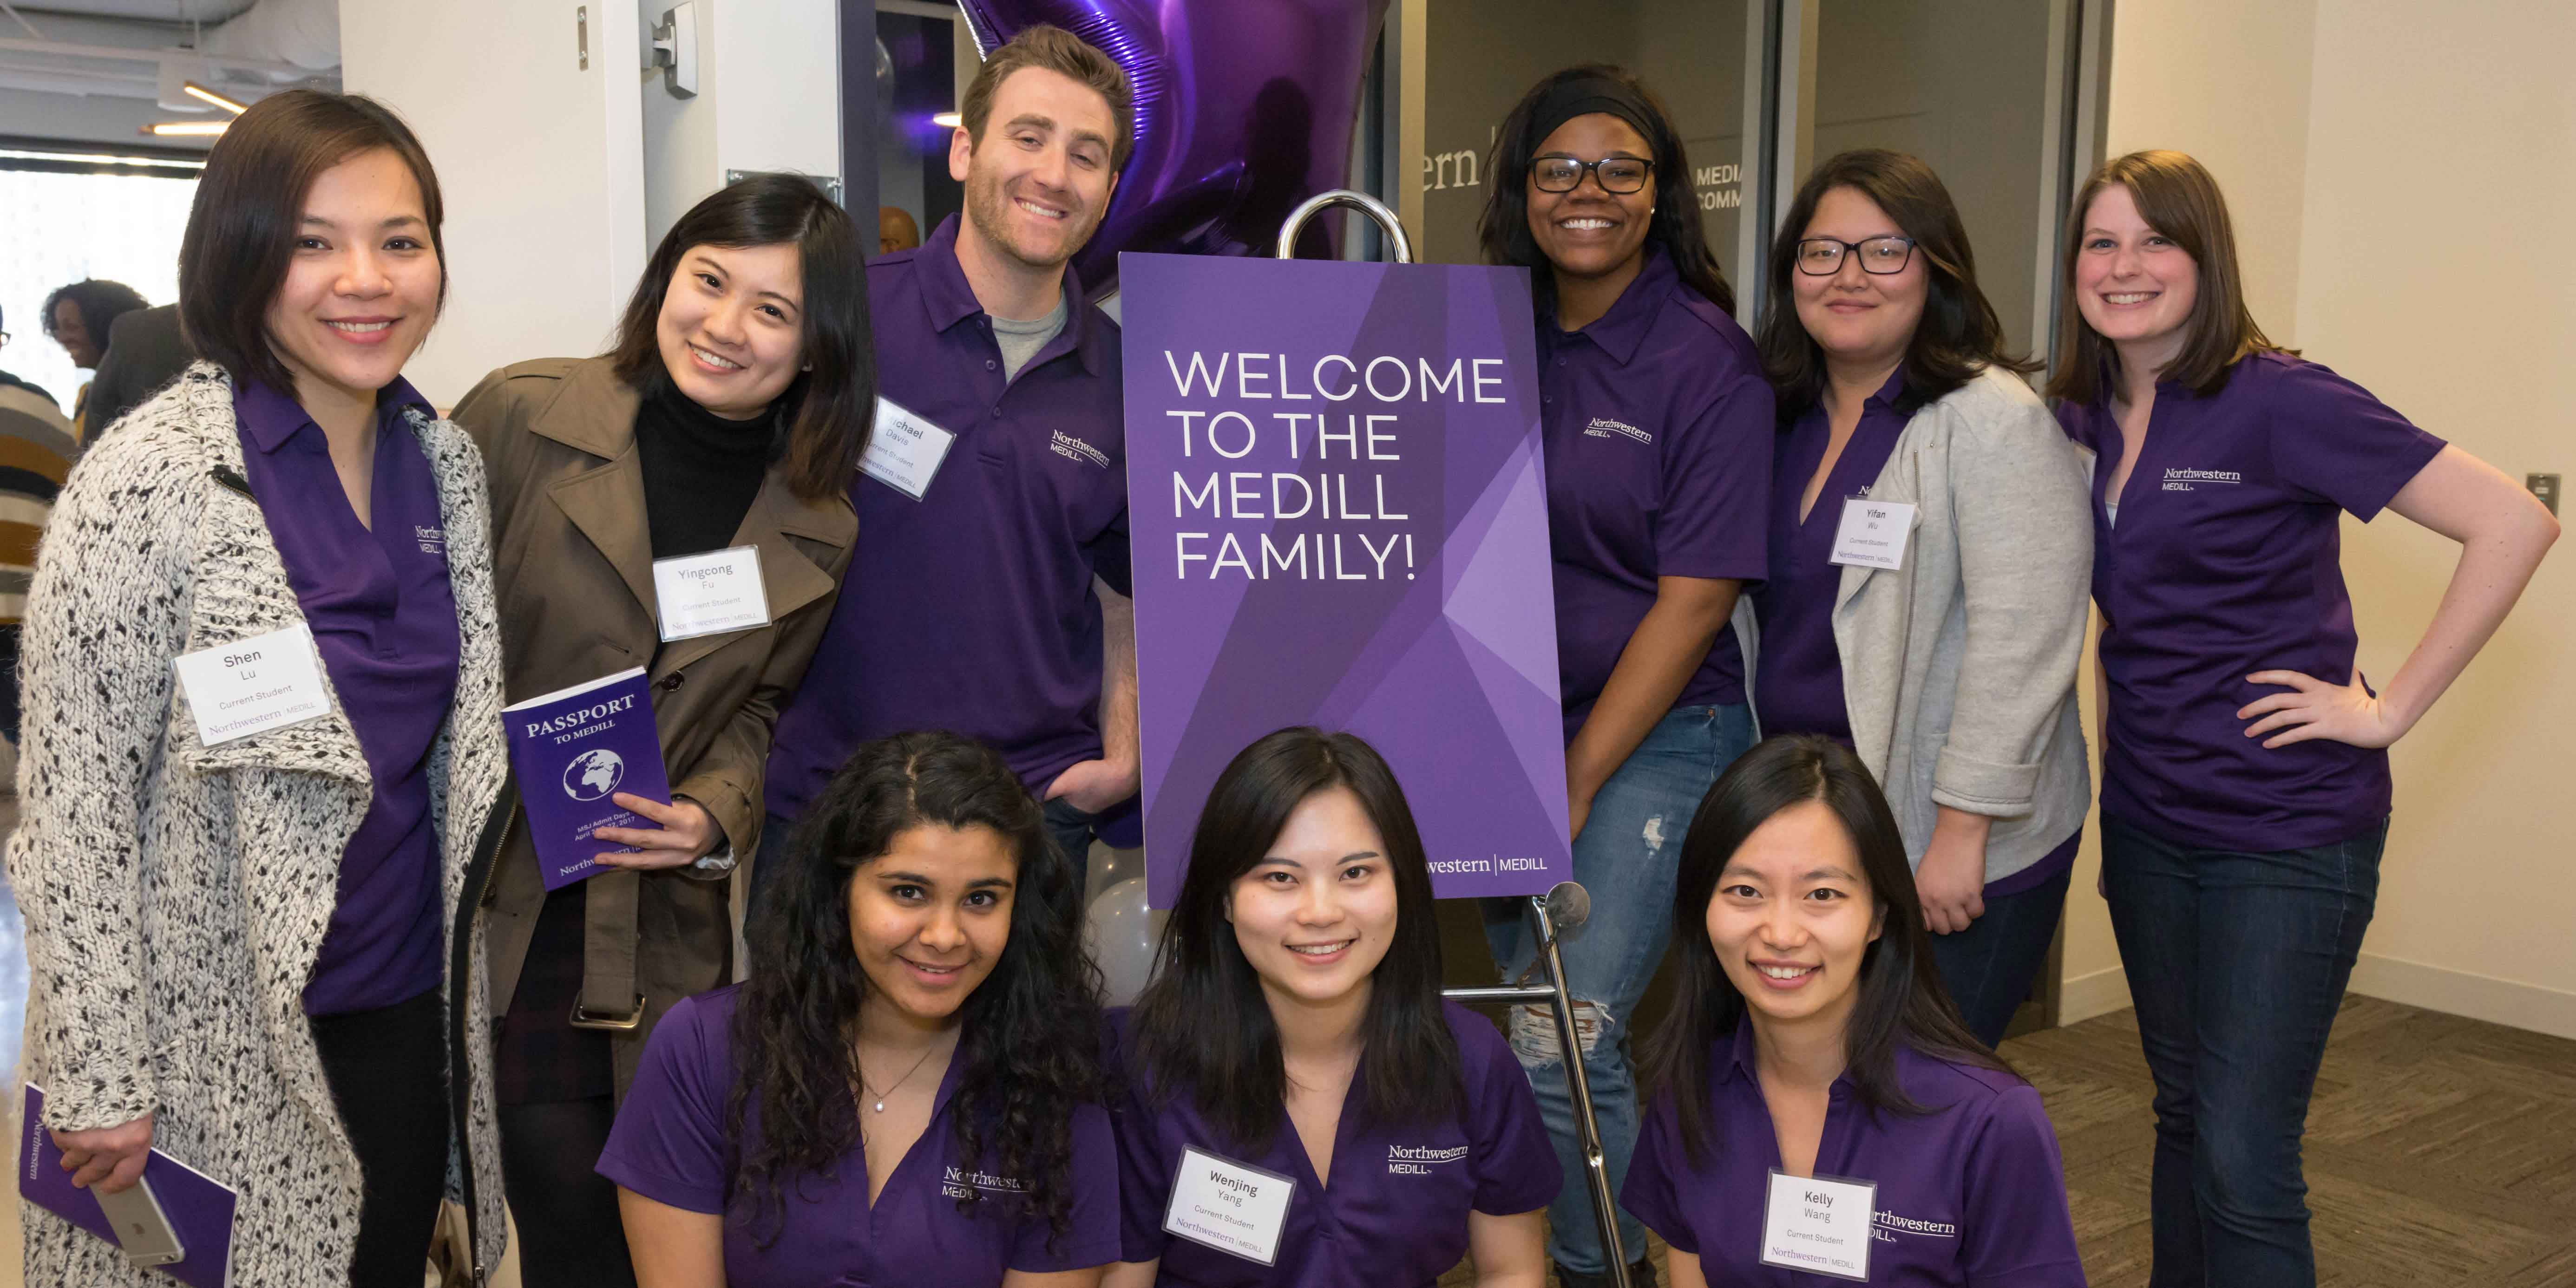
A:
(1657, 428)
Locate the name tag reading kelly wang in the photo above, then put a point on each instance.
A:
(253, 685)
(710, 593)
(905, 450)
(1873, 533)
(1818, 1224)
(1228, 1206)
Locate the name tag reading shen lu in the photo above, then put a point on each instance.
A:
(1228, 1206)
(1818, 1224)
(253, 685)
(710, 593)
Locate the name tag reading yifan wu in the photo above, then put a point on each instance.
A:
(905, 450)
(1873, 533)
(1228, 1206)
(253, 685)
(710, 593)
(1818, 1225)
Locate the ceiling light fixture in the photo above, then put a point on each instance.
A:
(947, 120)
(197, 91)
(176, 129)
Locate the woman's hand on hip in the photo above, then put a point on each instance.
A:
(687, 834)
(110, 1158)
(2311, 708)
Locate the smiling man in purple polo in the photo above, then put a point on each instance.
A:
(988, 592)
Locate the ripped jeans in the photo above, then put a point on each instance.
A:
(1630, 848)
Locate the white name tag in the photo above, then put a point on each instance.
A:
(1228, 1206)
(254, 685)
(710, 593)
(905, 451)
(1873, 533)
(1818, 1225)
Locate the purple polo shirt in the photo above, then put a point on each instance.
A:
(383, 615)
(2227, 560)
(1798, 688)
(1395, 1213)
(670, 1145)
(1972, 1192)
(972, 609)
(1657, 426)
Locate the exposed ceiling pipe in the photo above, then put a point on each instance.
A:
(305, 33)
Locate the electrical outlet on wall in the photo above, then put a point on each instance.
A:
(2544, 486)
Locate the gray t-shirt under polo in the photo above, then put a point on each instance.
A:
(1021, 341)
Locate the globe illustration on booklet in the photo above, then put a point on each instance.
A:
(593, 774)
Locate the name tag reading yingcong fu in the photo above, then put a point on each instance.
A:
(1229, 1206)
(253, 685)
(1818, 1224)
(1873, 533)
(710, 593)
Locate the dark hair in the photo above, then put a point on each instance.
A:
(1203, 1028)
(250, 206)
(826, 410)
(2177, 197)
(1958, 334)
(1029, 1041)
(1902, 1000)
(1504, 227)
(99, 302)
(1065, 54)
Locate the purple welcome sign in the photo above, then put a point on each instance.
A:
(1338, 518)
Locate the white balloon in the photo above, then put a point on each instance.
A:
(1121, 933)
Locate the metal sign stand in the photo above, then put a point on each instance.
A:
(1564, 908)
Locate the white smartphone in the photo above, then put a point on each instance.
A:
(142, 1228)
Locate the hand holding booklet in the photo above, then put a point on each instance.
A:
(575, 749)
(194, 1211)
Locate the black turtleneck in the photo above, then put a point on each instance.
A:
(701, 471)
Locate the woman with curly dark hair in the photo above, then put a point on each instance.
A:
(906, 1089)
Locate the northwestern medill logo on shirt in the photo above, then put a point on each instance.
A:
(1889, 1225)
(1418, 1160)
(957, 1183)
(1604, 427)
(2184, 480)
(1074, 449)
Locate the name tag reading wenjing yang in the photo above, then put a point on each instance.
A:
(1873, 533)
(253, 685)
(711, 593)
(1229, 1206)
(905, 450)
(1818, 1224)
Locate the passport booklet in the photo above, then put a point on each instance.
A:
(199, 1207)
(573, 750)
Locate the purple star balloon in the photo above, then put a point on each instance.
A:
(1244, 108)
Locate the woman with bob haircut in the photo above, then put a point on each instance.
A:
(907, 1088)
(1810, 1041)
(1657, 429)
(263, 733)
(1294, 1034)
(726, 421)
(2245, 785)
(1948, 662)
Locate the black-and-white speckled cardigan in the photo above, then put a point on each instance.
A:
(175, 893)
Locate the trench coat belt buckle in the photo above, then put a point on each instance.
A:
(584, 1018)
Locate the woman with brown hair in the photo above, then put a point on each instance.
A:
(724, 424)
(2245, 785)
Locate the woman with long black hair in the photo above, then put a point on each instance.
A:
(1818, 1108)
(1301, 1107)
(906, 1090)
(1657, 426)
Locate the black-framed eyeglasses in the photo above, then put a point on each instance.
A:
(1879, 256)
(1615, 174)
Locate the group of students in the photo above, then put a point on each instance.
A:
(320, 963)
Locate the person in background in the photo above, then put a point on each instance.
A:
(145, 352)
(907, 1088)
(259, 948)
(1657, 428)
(1810, 1043)
(36, 451)
(77, 317)
(728, 415)
(1950, 664)
(989, 596)
(896, 230)
(2245, 783)
(1295, 1030)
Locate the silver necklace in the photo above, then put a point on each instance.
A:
(880, 1096)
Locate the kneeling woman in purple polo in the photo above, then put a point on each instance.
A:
(1815, 1105)
(906, 1090)
(1301, 1108)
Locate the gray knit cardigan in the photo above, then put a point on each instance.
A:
(175, 893)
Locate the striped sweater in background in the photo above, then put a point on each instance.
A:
(36, 450)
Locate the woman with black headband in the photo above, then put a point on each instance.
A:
(1658, 429)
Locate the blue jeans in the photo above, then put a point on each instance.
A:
(1626, 857)
(2237, 963)
(1988, 967)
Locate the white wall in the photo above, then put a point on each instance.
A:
(2392, 170)
(768, 98)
